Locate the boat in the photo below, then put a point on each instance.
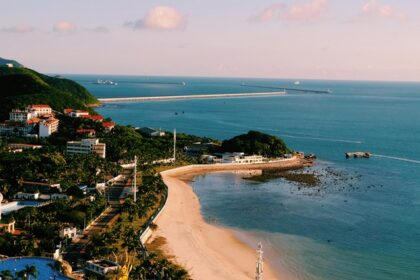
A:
(358, 155)
(106, 82)
(296, 83)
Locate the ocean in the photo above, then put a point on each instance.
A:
(362, 222)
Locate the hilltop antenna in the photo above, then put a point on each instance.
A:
(174, 145)
(260, 265)
(135, 179)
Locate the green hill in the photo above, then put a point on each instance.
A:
(255, 142)
(4, 61)
(20, 87)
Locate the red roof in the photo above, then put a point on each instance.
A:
(108, 124)
(97, 118)
(40, 106)
(81, 130)
(66, 111)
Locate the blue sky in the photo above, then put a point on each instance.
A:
(319, 39)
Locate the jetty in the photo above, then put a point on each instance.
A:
(358, 155)
(187, 97)
(291, 89)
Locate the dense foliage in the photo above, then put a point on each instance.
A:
(255, 142)
(52, 166)
(44, 223)
(20, 87)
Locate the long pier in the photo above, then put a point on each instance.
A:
(291, 89)
(186, 97)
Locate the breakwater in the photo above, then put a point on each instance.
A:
(291, 89)
(196, 96)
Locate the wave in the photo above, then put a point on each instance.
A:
(397, 158)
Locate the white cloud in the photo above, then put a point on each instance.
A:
(160, 18)
(64, 27)
(373, 9)
(309, 11)
(18, 29)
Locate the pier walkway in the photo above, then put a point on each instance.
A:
(197, 96)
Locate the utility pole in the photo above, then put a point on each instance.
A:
(135, 179)
(174, 145)
(259, 267)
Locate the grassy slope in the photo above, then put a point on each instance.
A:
(22, 86)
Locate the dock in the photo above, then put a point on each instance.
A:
(187, 97)
(358, 155)
(292, 89)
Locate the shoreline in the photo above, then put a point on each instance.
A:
(187, 97)
(208, 251)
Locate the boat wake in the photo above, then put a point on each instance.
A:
(397, 158)
(323, 139)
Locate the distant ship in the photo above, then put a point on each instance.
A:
(296, 83)
(106, 82)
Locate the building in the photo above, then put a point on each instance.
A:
(68, 232)
(27, 196)
(101, 267)
(58, 196)
(152, 131)
(76, 113)
(20, 115)
(86, 132)
(198, 149)
(47, 127)
(42, 187)
(86, 146)
(241, 158)
(7, 225)
(34, 121)
(17, 147)
(108, 126)
(31, 111)
(39, 110)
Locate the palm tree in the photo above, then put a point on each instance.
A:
(6, 275)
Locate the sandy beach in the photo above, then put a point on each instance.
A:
(207, 251)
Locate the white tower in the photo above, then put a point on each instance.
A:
(174, 145)
(1, 199)
(259, 266)
(135, 179)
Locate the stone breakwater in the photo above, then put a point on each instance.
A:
(182, 97)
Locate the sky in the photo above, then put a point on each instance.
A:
(297, 39)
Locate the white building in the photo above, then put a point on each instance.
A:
(39, 110)
(68, 232)
(241, 158)
(20, 115)
(101, 267)
(29, 196)
(58, 196)
(31, 111)
(152, 131)
(47, 127)
(76, 113)
(86, 146)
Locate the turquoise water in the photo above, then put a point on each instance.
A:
(44, 270)
(360, 224)
(16, 205)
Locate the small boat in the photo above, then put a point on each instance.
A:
(358, 155)
(296, 83)
(105, 82)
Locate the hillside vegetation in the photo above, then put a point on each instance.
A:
(255, 142)
(22, 86)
